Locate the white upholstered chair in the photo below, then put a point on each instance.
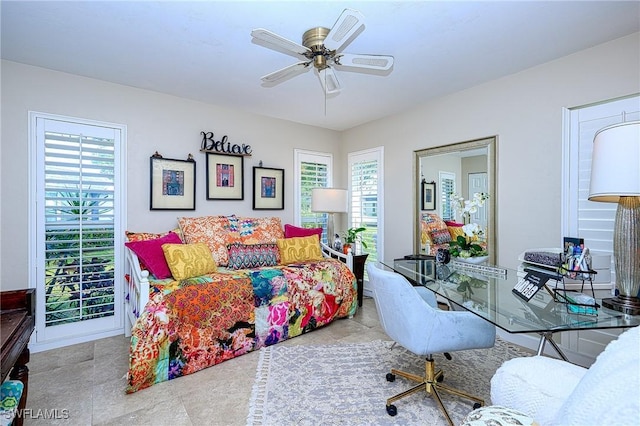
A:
(410, 316)
(554, 392)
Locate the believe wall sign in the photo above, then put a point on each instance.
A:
(222, 146)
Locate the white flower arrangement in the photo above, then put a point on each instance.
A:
(465, 208)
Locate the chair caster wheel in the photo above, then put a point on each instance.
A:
(476, 405)
(392, 410)
(391, 378)
(440, 378)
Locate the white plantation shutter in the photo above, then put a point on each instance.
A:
(312, 170)
(78, 216)
(447, 187)
(593, 221)
(365, 189)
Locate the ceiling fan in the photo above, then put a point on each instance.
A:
(320, 47)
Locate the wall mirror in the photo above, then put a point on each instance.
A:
(462, 168)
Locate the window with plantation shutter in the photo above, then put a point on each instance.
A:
(447, 187)
(365, 205)
(593, 221)
(312, 170)
(78, 218)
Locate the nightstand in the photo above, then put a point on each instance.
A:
(358, 270)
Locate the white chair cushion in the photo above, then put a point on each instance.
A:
(537, 385)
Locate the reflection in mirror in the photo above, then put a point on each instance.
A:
(444, 173)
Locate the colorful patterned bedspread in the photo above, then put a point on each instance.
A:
(199, 322)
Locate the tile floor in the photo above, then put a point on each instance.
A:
(84, 384)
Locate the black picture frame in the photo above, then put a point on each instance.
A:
(428, 195)
(225, 177)
(268, 188)
(173, 184)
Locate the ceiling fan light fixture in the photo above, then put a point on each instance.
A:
(314, 37)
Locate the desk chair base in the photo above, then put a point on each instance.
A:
(430, 383)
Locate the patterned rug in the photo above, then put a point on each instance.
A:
(345, 384)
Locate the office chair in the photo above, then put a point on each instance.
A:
(409, 315)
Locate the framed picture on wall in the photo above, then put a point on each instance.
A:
(428, 195)
(225, 177)
(268, 188)
(173, 184)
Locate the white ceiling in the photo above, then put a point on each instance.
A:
(203, 50)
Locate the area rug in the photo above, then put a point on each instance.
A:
(345, 384)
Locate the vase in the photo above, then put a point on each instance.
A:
(475, 260)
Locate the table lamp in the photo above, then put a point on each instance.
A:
(329, 200)
(615, 178)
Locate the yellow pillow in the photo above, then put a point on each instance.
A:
(299, 249)
(189, 260)
(455, 231)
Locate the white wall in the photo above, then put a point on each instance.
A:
(525, 111)
(155, 122)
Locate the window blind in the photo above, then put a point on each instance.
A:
(593, 221)
(79, 227)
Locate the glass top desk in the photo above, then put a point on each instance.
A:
(486, 292)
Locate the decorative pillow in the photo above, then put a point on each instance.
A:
(291, 231)
(143, 236)
(245, 256)
(260, 230)
(151, 255)
(455, 232)
(424, 233)
(299, 249)
(217, 232)
(189, 260)
(440, 236)
(452, 223)
(432, 221)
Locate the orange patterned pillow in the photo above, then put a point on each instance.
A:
(216, 232)
(144, 236)
(260, 230)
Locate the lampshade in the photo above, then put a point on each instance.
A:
(329, 200)
(615, 167)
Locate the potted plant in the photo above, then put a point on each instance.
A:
(352, 236)
(463, 248)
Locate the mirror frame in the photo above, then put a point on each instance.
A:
(490, 143)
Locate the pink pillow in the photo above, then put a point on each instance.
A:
(291, 231)
(151, 255)
(451, 223)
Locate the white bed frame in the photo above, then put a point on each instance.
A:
(137, 289)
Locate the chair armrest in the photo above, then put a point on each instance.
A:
(537, 385)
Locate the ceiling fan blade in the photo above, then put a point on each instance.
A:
(285, 72)
(329, 80)
(349, 22)
(279, 41)
(372, 62)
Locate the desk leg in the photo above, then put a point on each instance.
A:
(548, 337)
(20, 372)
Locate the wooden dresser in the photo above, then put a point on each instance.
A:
(17, 321)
